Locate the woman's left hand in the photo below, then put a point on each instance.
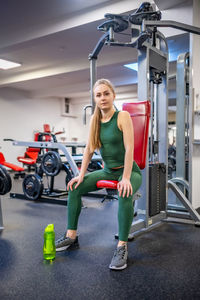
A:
(125, 188)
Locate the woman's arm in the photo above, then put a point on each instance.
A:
(86, 160)
(125, 124)
(87, 155)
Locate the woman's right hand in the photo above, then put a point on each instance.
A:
(77, 179)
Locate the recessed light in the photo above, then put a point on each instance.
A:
(133, 66)
(6, 64)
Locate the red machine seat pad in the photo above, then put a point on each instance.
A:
(140, 116)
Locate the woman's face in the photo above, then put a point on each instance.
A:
(104, 97)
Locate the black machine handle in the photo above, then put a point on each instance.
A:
(8, 140)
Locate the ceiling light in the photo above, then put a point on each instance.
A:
(133, 66)
(6, 64)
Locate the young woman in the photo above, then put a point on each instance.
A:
(111, 132)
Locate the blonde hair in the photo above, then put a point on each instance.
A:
(94, 139)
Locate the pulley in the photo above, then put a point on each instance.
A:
(32, 186)
(144, 12)
(156, 76)
(117, 22)
(51, 163)
(5, 181)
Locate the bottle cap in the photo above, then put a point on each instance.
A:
(49, 228)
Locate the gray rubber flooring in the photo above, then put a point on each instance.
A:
(163, 264)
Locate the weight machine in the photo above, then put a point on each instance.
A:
(51, 164)
(153, 85)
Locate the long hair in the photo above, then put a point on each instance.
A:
(94, 138)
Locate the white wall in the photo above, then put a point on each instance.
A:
(20, 116)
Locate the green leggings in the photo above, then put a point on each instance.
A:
(125, 207)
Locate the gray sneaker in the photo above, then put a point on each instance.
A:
(119, 260)
(64, 243)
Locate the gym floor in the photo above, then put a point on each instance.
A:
(163, 264)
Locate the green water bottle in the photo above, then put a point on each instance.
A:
(49, 249)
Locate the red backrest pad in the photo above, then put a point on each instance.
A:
(2, 158)
(140, 115)
(30, 149)
(47, 128)
(36, 135)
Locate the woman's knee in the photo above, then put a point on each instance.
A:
(136, 182)
(126, 202)
(74, 192)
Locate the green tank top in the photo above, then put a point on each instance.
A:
(112, 149)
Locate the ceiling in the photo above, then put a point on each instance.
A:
(52, 40)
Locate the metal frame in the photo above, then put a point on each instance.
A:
(182, 105)
(62, 147)
(173, 24)
(179, 184)
(186, 203)
(151, 54)
(71, 160)
(182, 79)
(50, 145)
(151, 57)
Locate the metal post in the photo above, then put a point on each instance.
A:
(151, 121)
(93, 58)
(150, 57)
(180, 114)
(143, 94)
(163, 119)
(155, 114)
(173, 24)
(93, 77)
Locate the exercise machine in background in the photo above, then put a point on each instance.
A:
(49, 164)
(32, 155)
(19, 171)
(55, 159)
(45, 163)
